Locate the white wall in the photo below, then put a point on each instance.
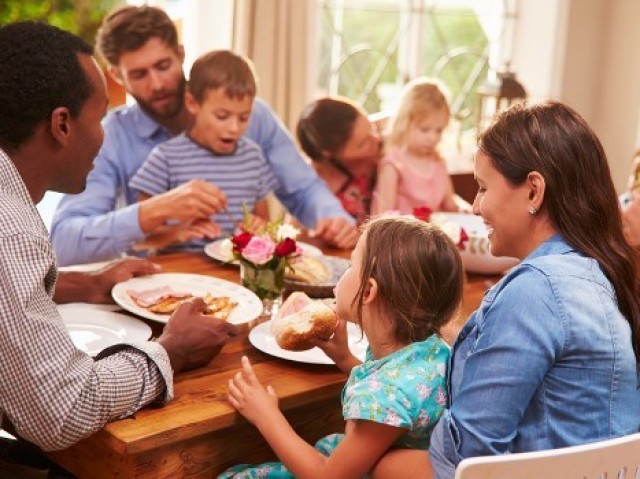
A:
(587, 53)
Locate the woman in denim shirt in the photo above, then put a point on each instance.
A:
(549, 358)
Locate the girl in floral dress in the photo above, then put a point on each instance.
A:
(404, 284)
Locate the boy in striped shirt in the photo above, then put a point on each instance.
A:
(220, 95)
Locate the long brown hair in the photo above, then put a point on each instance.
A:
(580, 199)
(419, 274)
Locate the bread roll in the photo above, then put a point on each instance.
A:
(301, 319)
(309, 269)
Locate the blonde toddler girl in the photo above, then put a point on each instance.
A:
(412, 173)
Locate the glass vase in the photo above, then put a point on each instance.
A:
(267, 282)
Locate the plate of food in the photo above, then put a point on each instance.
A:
(316, 276)
(221, 250)
(156, 296)
(300, 319)
(95, 327)
(262, 338)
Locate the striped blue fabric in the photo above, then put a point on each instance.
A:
(245, 176)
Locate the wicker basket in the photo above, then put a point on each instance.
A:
(325, 290)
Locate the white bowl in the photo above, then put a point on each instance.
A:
(476, 254)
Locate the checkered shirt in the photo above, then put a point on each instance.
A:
(53, 393)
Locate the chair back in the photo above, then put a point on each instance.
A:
(611, 459)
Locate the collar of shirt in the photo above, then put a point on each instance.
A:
(146, 126)
(11, 181)
(554, 245)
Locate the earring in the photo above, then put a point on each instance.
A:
(533, 210)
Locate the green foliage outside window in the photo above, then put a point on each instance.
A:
(454, 50)
(82, 17)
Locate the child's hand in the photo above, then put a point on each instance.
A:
(337, 347)
(253, 223)
(167, 235)
(249, 397)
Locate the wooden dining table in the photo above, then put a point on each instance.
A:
(198, 434)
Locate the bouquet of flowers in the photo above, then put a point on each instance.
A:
(453, 230)
(264, 255)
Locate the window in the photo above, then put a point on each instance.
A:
(367, 49)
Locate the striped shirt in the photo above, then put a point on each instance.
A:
(53, 393)
(245, 177)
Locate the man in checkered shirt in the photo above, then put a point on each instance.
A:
(53, 96)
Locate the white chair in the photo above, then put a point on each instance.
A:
(612, 459)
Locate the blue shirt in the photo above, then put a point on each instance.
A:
(244, 176)
(102, 222)
(545, 362)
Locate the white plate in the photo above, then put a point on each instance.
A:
(262, 339)
(86, 267)
(217, 251)
(95, 327)
(249, 305)
(476, 253)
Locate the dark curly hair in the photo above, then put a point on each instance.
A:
(39, 72)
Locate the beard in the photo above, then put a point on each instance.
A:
(171, 109)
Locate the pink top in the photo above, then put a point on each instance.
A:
(416, 187)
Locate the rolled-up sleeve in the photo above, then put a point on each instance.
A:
(53, 393)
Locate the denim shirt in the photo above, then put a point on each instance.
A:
(102, 222)
(545, 362)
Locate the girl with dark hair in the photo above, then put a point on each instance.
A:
(345, 148)
(404, 284)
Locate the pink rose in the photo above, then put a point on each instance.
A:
(259, 250)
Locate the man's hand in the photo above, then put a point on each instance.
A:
(193, 200)
(191, 338)
(336, 232)
(96, 286)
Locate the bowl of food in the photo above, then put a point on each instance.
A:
(476, 252)
(314, 275)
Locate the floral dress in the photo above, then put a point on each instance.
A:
(355, 195)
(406, 389)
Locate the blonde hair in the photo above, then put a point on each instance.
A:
(420, 99)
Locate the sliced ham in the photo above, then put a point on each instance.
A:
(148, 297)
(294, 303)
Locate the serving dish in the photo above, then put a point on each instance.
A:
(476, 252)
